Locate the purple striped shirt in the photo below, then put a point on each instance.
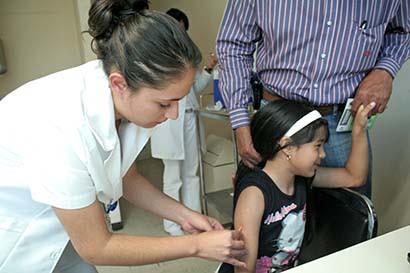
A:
(317, 51)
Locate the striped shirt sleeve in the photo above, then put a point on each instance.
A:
(236, 43)
(396, 46)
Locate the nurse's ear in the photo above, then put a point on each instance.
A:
(118, 83)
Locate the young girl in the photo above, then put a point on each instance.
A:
(270, 203)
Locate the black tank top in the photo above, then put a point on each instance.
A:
(283, 222)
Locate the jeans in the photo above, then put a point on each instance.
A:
(338, 148)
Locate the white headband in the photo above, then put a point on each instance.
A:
(303, 122)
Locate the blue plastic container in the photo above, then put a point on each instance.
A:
(217, 92)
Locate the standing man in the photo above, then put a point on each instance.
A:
(322, 52)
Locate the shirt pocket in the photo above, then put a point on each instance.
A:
(367, 42)
(11, 230)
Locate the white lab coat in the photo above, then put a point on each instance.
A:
(58, 147)
(167, 141)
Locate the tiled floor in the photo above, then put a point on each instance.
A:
(137, 221)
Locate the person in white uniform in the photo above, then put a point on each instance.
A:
(68, 142)
(176, 142)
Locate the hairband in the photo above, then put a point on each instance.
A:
(126, 12)
(303, 122)
(122, 15)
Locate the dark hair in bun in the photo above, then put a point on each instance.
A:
(149, 48)
(179, 15)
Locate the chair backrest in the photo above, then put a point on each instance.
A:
(340, 218)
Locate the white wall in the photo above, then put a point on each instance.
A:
(391, 151)
(82, 7)
(39, 37)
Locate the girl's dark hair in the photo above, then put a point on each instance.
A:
(272, 121)
(179, 15)
(147, 47)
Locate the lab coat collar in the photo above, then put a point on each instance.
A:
(98, 105)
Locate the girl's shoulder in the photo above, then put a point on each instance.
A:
(256, 178)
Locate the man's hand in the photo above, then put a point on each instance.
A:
(249, 155)
(375, 87)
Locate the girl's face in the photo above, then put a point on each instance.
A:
(148, 107)
(306, 158)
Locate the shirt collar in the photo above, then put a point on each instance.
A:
(98, 105)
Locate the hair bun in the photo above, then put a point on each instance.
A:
(139, 5)
(129, 8)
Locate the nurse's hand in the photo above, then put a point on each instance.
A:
(222, 245)
(195, 222)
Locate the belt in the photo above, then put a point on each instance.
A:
(323, 109)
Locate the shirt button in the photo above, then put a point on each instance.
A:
(329, 23)
(323, 55)
(316, 86)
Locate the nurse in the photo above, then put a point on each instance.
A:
(67, 145)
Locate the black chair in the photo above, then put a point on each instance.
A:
(339, 218)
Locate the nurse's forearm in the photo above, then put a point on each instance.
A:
(90, 237)
(132, 250)
(140, 192)
(222, 245)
